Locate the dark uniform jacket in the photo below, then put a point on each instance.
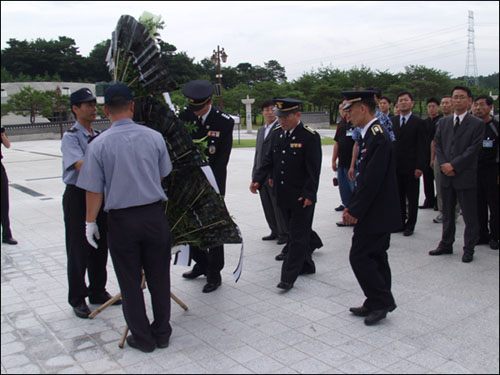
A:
(218, 128)
(460, 148)
(488, 157)
(375, 202)
(294, 163)
(410, 146)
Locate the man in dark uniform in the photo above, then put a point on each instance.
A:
(139, 234)
(217, 127)
(487, 173)
(81, 256)
(374, 209)
(6, 231)
(294, 162)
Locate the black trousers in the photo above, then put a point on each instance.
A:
(369, 261)
(6, 232)
(298, 249)
(272, 212)
(468, 203)
(209, 261)
(487, 200)
(409, 189)
(82, 257)
(139, 238)
(430, 197)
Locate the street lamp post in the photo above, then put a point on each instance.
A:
(216, 58)
(58, 93)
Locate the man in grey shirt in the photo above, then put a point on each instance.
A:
(126, 164)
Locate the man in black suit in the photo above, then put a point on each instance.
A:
(374, 209)
(458, 142)
(294, 161)
(487, 177)
(410, 159)
(430, 129)
(217, 127)
(272, 213)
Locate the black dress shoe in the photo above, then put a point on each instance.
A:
(340, 208)
(375, 316)
(284, 285)
(341, 224)
(467, 257)
(360, 311)
(103, 298)
(282, 241)
(271, 237)
(408, 232)
(210, 287)
(10, 241)
(82, 310)
(162, 344)
(440, 251)
(308, 270)
(280, 256)
(193, 274)
(494, 244)
(133, 344)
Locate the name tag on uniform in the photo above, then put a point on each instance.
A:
(295, 145)
(214, 133)
(488, 143)
(349, 133)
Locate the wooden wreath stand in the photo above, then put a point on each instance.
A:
(119, 295)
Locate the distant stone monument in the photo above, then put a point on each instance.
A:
(248, 107)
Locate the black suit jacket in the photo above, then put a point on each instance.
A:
(461, 148)
(410, 145)
(295, 165)
(375, 202)
(262, 146)
(218, 128)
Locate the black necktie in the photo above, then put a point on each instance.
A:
(403, 121)
(457, 124)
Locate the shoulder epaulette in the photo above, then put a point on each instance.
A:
(277, 128)
(377, 129)
(72, 130)
(309, 129)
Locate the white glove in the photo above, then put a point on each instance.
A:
(92, 230)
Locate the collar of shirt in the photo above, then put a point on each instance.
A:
(365, 129)
(461, 117)
(407, 117)
(82, 128)
(124, 121)
(291, 130)
(270, 125)
(204, 117)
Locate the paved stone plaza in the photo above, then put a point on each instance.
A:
(447, 320)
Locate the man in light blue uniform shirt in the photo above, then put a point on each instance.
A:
(81, 256)
(126, 164)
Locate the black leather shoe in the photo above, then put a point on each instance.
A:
(193, 274)
(308, 270)
(103, 298)
(82, 310)
(10, 241)
(282, 241)
(210, 287)
(280, 256)
(467, 257)
(133, 344)
(162, 344)
(341, 224)
(360, 311)
(493, 244)
(440, 251)
(377, 315)
(340, 208)
(284, 285)
(271, 237)
(408, 232)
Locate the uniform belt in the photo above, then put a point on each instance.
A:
(134, 207)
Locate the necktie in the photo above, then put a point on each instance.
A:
(403, 121)
(457, 124)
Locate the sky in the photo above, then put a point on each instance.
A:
(301, 36)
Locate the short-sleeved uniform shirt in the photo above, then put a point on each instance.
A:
(73, 146)
(126, 163)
